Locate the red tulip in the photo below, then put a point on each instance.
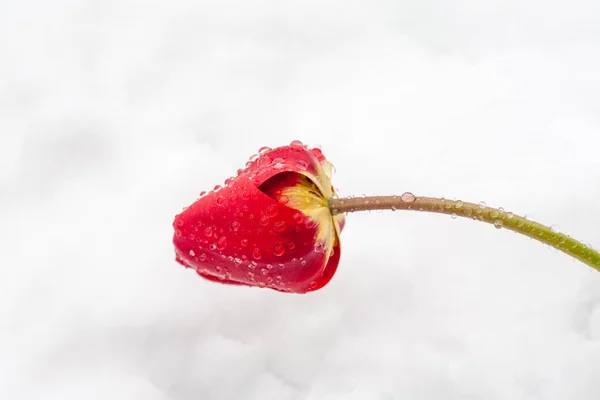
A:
(270, 226)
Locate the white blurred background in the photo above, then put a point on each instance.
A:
(116, 114)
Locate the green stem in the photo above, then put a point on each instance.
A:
(478, 212)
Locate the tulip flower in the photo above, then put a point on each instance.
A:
(277, 224)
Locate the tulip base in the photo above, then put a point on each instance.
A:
(478, 212)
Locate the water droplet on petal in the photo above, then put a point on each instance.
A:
(509, 215)
(303, 263)
(279, 226)
(407, 197)
(264, 220)
(297, 217)
(256, 253)
(269, 279)
(454, 216)
(202, 257)
(302, 165)
(271, 211)
(467, 212)
(178, 233)
(283, 199)
(269, 266)
(459, 204)
(246, 195)
(264, 271)
(278, 249)
(202, 193)
(264, 150)
(278, 278)
(252, 265)
(221, 201)
(251, 275)
(319, 247)
(291, 245)
(297, 144)
(555, 229)
(482, 205)
(244, 242)
(254, 194)
(264, 161)
(208, 231)
(235, 226)
(278, 163)
(222, 243)
(217, 187)
(494, 214)
(498, 224)
(233, 198)
(192, 253)
(238, 260)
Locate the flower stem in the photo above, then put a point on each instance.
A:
(497, 217)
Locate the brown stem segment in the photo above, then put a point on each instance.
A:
(478, 212)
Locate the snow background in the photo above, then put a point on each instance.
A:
(116, 114)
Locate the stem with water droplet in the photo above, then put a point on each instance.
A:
(499, 218)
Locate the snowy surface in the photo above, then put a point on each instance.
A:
(116, 114)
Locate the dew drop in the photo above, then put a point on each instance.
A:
(555, 229)
(297, 218)
(233, 198)
(251, 275)
(459, 204)
(297, 144)
(278, 163)
(264, 220)
(278, 249)
(246, 195)
(467, 212)
(202, 257)
(217, 187)
(178, 233)
(271, 211)
(244, 242)
(208, 231)
(264, 271)
(283, 199)
(279, 226)
(482, 205)
(202, 193)
(319, 247)
(237, 260)
(212, 246)
(252, 265)
(291, 245)
(302, 165)
(221, 201)
(407, 197)
(269, 266)
(278, 278)
(509, 215)
(218, 269)
(192, 253)
(494, 214)
(303, 263)
(235, 226)
(222, 243)
(264, 150)
(454, 216)
(264, 161)
(269, 279)
(256, 253)
(498, 224)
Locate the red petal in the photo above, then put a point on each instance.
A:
(239, 235)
